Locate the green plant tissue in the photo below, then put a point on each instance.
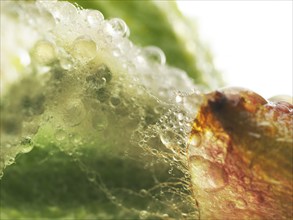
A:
(94, 121)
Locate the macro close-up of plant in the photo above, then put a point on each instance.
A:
(115, 110)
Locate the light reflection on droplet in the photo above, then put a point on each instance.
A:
(154, 54)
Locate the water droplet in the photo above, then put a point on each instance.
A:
(116, 52)
(115, 101)
(194, 143)
(91, 176)
(46, 20)
(94, 17)
(10, 161)
(63, 11)
(192, 102)
(27, 145)
(74, 113)
(178, 98)
(154, 54)
(101, 82)
(84, 49)
(77, 139)
(143, 192)
(60, 135)
(66, 63)
(143, 214)
(95, 81)
(165, 215)
(119, 27)
(180, 116)
(167, 137)
(158, 109)
(113, 198)
(175, 159)
(184, 215)
(207, 175)
(104, 72)
(103, 95)
(100, 121)
(44, 52)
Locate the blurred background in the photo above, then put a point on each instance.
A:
(251, 41)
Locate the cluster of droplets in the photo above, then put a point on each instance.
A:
(99, 91)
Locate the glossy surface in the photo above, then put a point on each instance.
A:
(240, 157)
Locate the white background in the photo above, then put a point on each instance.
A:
(251, 41)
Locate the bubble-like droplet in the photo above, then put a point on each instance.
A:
(115, 101)
(84, 49)
(63, 11)
(10, 161)
(43, 19)
(26, 145)
(94, 17)
(184, 215)
(77, 139)
(169, 138)
(96, 82)
(91, 176)
(104, 72)
(100, 121)
(165, 215)
(143, 214)
(66, 63)
(180, 116)
(74, 113)
(44, 52)
(119, 27)
(143, 192)
(103, 95)
(60, 135)
(179, 98)
(159, 109)
(194, 142)
(116, 52)
(207, 175)
(46, 20)
(192, 102)
(154, 54)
